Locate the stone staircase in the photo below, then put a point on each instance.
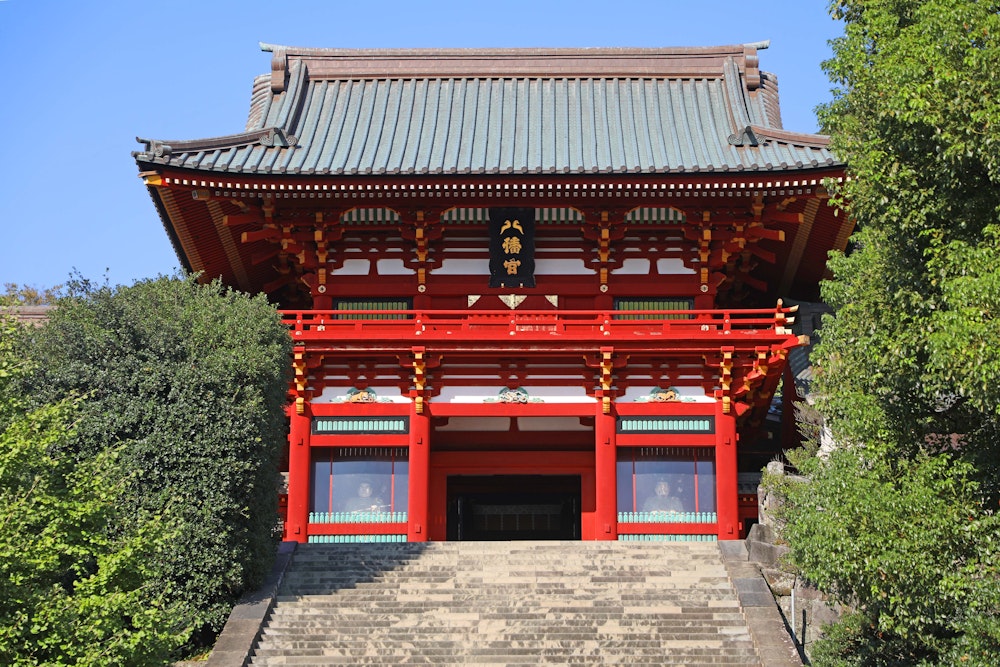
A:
(506, 603)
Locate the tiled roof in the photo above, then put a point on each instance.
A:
(513, 111)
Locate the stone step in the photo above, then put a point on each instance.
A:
(347, 579)
(304, 646)
(642, 617)
(336, 633)
(522, 596)
(459, 572)
(601, 659)
(390, 614)
(497, 603)
(671, 579)
(636, 614)
(720, 643)
(532, 657)
(688, 648)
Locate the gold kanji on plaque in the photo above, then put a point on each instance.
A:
(508, 224)
(512, 245)
(511, 266)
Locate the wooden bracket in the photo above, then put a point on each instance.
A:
(419, 362)
(300, 380)
(726, 379)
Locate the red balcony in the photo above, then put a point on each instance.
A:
(562, 330)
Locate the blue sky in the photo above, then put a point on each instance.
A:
(82, 80)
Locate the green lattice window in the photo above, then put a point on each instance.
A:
(679, 424)
(626, 303)
(374, 304)
(360, 425)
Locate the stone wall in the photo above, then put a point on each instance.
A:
(806, 610)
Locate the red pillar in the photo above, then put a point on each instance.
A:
(726, 476)
(419, 471)
(296, 527)
(605, 476)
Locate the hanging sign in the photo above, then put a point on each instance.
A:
(512, 247)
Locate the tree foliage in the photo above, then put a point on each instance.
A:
(27, 295)
(73, 589)
(901, 520)
(186, 384)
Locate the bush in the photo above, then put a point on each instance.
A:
(187, 383)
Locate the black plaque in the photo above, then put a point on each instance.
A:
(512, 247)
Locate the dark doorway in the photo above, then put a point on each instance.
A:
(513, 507)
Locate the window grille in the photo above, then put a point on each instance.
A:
(628, 303)
(374, 304)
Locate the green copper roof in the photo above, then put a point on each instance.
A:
(506, 111)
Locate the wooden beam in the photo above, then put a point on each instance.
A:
(242, 219)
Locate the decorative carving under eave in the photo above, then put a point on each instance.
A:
(727, 248)
(747, 379)
(301, 245)
(421, 227)
(605, 365)
(605, 226)
(704, 248)
(726, 379)
(306, 381)
(420, 362)
(300, 380)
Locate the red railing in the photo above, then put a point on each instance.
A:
(411, 326)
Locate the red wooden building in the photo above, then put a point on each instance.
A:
(534, 293)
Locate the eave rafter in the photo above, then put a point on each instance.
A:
(491, 190)
(290, 224)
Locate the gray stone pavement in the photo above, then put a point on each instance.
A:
(234, 645)
(767, 626)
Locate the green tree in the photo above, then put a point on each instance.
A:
(186, 383)
(73, 587)
(26, 295)
(900, 521)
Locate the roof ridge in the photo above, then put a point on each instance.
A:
(512, 50)
(558, 62)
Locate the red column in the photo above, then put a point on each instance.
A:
(605, 476)
(420, 445)
(726, 477)
(296, 527)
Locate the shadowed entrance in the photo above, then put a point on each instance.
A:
(513, 507)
